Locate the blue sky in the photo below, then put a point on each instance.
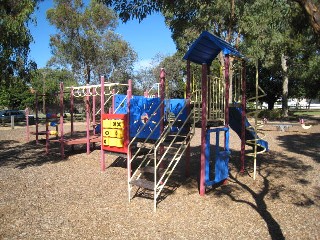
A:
(148, 38)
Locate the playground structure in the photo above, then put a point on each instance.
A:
(86, 92)
(154, 132)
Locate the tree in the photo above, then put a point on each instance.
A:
(175, 76)
(17, 95)
(46, 82)
(268, 30)
(86, 40)
(312, 10)
(15, 39)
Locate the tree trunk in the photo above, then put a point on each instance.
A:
(271, 105)
(88, 74)
(285, 83)
(313, 10)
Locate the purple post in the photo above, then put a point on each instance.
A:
(71, 110)
(27, 125)
(203, 128)
(227, 82)
(37, 120)
(129, 96)
(61, 121)
(102, 157)
(88, 119)
(113, 101)
(94, 109)
(162, 96)
(47, 132)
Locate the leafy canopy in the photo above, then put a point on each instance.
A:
(86, 40)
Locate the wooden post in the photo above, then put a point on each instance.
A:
(12, 121)
(203, 128)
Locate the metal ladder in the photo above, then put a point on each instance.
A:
(158, 159)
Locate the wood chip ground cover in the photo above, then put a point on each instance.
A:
(45, 197)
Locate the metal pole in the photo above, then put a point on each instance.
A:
(162, 97)
(243, 117)
(27, 125)
(203, 129)
(94, 109)
(102, 154)
(37, 120)
(227, 83)
(88, 118)
(61, 120)
(72, 109)
(188, 97)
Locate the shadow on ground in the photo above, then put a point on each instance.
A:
(272, 165)
(307, 145)
(17, 155)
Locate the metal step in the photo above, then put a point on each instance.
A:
(150, 169)
(143, 183)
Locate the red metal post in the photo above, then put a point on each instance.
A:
(47, 132)
(243, 116)
(203, 128)
(102, 157)
(94, 108)
(72, 109)
(227, 84)
(88, 118)
(188, 96)
(27, 125)
(61, 120)
(129, 96)
(162, 96)
(37, 120)
(113, 101)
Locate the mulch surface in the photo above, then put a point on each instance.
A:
(46, 197)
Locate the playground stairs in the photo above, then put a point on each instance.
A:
(153, 162)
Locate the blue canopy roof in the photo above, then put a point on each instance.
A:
(207, 47)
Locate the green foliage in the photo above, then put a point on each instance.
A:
(47, 81)
(264, 30)
(274, 114)
(86, 40)
(15, 96)
(15, 39)
(175, 83)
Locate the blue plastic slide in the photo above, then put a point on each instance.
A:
(235, 124)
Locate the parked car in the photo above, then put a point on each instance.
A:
(19, 115)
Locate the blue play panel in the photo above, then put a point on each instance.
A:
(145, 115)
